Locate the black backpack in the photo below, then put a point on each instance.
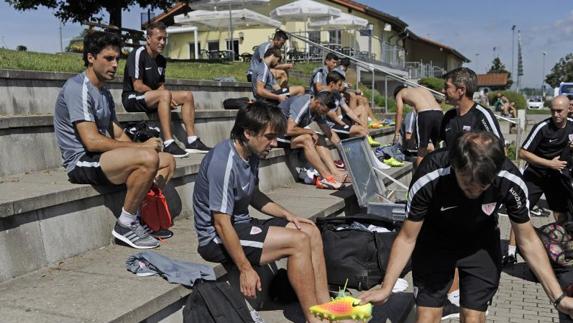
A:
(216, 302)
(358, 256)
(141, 131)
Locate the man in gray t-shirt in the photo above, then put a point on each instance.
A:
(227, 184)
(94, 148)
(264, 85)
(300, 112)
(279, 71)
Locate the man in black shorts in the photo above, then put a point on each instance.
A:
(227, 184)
(96, 151)
(264, 84)
(144, 91)
(467, 115)
(547, 151)
(428, 121)
(462, 188)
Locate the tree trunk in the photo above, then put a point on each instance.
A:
(115, 16)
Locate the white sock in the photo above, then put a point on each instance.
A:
(511, 250)
(454, 297)
(191, 139)
(168, 142)
(127, 218)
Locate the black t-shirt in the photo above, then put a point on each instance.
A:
(477, 118)
(141, 66)
(547, 141)
(453, 220)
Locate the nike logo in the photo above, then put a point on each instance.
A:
(245, 187)
(147, 68)
(442, 209)
(448, 129)
(552, 140)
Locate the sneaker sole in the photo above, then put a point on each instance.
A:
(451, 316)
(129, 243)
(180, 156)
(196, 151)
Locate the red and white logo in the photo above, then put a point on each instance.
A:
(256, 230)
(488, 208)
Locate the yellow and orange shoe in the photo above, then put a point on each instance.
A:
(342, 308)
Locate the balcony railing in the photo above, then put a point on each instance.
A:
(418, 70)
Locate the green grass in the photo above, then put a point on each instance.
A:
(540, 111)
(72, 63)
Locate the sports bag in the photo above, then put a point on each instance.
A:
(154, 210)
(141, 131)
(356, 255)
(558, 244)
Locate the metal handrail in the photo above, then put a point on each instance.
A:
(516, 122)
(366, 65)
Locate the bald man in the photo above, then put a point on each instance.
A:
(429, 116)
(547, 153)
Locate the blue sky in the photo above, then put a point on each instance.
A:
(473, 28)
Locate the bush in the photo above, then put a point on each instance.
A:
(512, 96)
(433, 83)
(21, 48)
(379, 99)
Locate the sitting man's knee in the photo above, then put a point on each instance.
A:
(149, 158)
(165, 95)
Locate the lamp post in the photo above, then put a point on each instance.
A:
(543, 74)
(512, 47)
(477, 64)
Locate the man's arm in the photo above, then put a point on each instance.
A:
(328, 133)
(98, 143)
(263, 92)
(532, 158)
(294, 130)
(534, 253)
(263, 203)
(139, 86)
(349, 113)
(401, 251)
(249, 279)
(285, 66)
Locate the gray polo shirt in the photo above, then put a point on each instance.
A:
(318, 76)
(225, 184)
(297, 108)
(262, 73)
(258, 56)
(79, 100)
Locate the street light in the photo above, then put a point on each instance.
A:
(512, 48)
(543, 74)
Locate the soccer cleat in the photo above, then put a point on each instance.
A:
(393, 162)
(375, 124)
(372, 142)
(328, 183)
(342, 308)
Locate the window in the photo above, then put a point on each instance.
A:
(335, 36)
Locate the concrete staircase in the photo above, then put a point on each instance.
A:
(57, 257)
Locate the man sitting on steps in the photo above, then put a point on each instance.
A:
(144, 91)
(94, 148)
(227, 184)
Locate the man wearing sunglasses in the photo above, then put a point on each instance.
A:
(94, 148)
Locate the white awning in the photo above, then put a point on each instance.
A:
(223, 19)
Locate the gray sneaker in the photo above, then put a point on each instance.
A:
(135, 236)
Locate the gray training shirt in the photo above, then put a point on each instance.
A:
(225, 184)
(258, 56)
(80, 100)
(298, 109)
(318, 76)
(262, 73)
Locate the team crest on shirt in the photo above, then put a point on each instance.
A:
(467, 128)
(571, 137)
(160, 70)
(256, 230)
(488, 208)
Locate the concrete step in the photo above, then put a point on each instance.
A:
(30, 92)
(95, 286)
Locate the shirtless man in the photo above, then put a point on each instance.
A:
(429, 115)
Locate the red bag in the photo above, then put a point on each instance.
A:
(154, 210)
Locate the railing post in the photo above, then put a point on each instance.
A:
(372, 92)
(385, 94)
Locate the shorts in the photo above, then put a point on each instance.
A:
(551, 185)
(479, 271)
(282, 91)
(252, 236)
(88, 171)
(428, 127)
(343, 132)
(135, 102)
(284, 142)
(249, 77)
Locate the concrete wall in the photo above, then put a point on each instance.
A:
(25, 92)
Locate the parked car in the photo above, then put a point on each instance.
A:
(535, 103)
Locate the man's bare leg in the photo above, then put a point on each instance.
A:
(281, 76)
(295, 245)
(187, 102)
(161, 100)
(311, 154)
(471, 316)
(296, 90)
(318, 262)
(327, 160)
(429, 314)
(136, 167)
(166, 170)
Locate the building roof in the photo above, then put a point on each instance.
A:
(492, 79)
(454, 52)
(182, 7)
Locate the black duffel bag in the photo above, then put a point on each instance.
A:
(355, 255)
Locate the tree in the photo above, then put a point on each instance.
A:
(84, 10)
(498, 67)
(561, 72)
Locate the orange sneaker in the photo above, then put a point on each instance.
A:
(329, 183)
(342, 308)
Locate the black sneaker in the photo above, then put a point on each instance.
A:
(160, 234)
(450, 311)
(508, 260)
(174, 150)
(134, 235)
(197, 146)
